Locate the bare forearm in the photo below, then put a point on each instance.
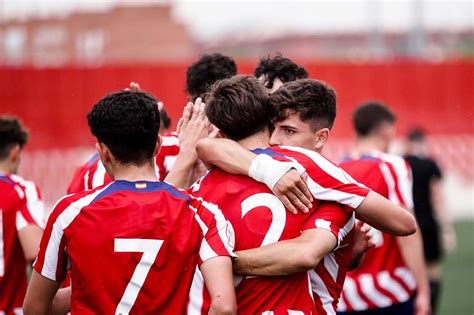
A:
(226, 154)
(411, 248)
(179, 175)
(386, 216)
(280, 259)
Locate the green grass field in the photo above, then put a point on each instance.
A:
(458, 274)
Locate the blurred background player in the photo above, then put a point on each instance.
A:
(391, 278)
(21, 218)
(273, 72)
(150, 232)
(430, 208)
(206, 71)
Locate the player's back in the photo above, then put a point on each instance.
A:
(14, 215)
(382, 279)
(131, 246)
(258, 218)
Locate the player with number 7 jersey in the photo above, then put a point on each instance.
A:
(125, 241)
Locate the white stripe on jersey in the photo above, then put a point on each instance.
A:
(322, 193)
(370, 291)
(404, 180)
(390, 181)
(196, 293)
(62, 222)
(99, 175)
(331, 265)
(388, 283)
(20, 221)
(33, 202)
(322, 292)
(352, 296)
(333, 170)
(341, 305)
(86, 180)
(170, 141)
(205, 251)
(406, 276)
(169, 162)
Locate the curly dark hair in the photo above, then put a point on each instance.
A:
(238, 106)
(279, 67)
(206, 71)
(312, 100)
(128, 123)
(165, 119)
(370, 115)
(12, 133)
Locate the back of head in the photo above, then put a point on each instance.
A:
(206, 71)
(127, 122)
(238, 106)
(313, 100)
(279, 67)
(416, 135)
(12, 133)
(368, 117)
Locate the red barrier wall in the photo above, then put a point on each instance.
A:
(53, 102)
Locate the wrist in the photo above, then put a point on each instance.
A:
(266, 170)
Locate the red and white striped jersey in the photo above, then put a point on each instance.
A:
(152, 237)
(259, 218)
(20, 205)
(327, 278)
(382, 279)
(92, 174)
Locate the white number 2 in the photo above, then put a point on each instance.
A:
(150, 249)
(278, 214)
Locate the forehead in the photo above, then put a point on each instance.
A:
(292, 120)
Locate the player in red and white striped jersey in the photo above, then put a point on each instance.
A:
(21, 218)
(326, 181)
(92, 174)
(391, 272)
(305, 124)
(121, 239)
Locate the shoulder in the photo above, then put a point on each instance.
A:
(25, 188)
(399, 163)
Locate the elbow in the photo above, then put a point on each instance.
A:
(203, 146)
(223, 308)
(408, 225)
(308, 261)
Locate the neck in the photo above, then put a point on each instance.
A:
(134, 173)
(371, 143)
(257, 140)
(6, 168)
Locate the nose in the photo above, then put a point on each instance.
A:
(275, 139)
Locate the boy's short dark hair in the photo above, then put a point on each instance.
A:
(165, 119)
(206, 71)
(238, 106)
(279, 67)
(368, 116)
(128, 123)
(12, 133)
(312, 100)
(416, 134)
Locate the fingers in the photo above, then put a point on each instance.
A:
(179, 125)
(160, 106)
(134, 86)
(302, 199)
(286, 202)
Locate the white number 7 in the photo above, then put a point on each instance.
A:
(150, 249)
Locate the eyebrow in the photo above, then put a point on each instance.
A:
(289, 127)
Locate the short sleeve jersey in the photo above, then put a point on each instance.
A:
(259, 218)
(20, 205)
(131, 247)
(382, 279)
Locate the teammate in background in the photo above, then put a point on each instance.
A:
(239, 108)
(392, 277)
(21, 218)
(430, 209)
(206, 71)
(274, 72)
(150, 232)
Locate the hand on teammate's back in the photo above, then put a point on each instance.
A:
(292, 191)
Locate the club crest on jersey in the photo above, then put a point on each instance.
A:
(140, 185)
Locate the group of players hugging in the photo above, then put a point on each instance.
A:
(235, 212)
